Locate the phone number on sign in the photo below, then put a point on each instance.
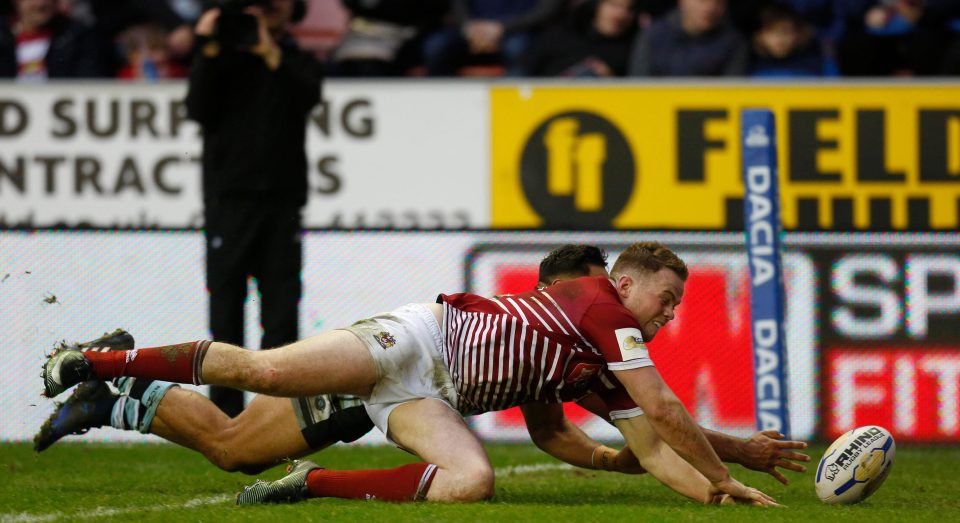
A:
(388, 219)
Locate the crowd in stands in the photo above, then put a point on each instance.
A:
(153, 39)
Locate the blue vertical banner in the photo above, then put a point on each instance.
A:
(761, 207)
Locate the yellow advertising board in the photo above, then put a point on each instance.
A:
(851, 156)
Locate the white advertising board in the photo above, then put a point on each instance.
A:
(151, 283)
(380, 154)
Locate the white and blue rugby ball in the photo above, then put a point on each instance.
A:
(855, 465)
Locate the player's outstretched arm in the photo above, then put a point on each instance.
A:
(674, 472)
(556, 435)
(764, 451)
(661, 461)
(670, 420)
(668, 417)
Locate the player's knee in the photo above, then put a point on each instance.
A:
(227, 449)
(228, 459)
(476, 483)
(223, 459)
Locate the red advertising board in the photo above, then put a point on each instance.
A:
(889, 338)
(911, 392)
(872, 332)
(705, 354)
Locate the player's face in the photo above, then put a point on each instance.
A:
(652, 298)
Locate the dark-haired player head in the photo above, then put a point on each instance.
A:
(572, 261)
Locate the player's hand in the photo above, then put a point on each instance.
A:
(767, 450)
(729, 490)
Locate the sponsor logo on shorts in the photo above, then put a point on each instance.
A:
(385, 339)
(631, 344)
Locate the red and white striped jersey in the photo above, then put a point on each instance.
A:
(551, 345)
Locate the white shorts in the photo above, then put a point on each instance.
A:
(405, 345)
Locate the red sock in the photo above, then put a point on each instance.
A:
(177, 363)
(407, 483)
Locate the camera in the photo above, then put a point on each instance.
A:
(236, 29)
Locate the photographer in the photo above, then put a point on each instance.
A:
(251, 89)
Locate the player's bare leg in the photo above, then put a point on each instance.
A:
(263, 435)
(456, 467)
(335, 361)
(437, 434)
(268, 431)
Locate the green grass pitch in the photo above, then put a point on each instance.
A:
(160, 482)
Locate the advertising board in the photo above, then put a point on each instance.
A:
(852, 157)
(113, 155)
(870, 319)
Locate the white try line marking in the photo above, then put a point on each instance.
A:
(103, 512)
(530, 469)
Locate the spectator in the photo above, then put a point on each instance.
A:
(892, 37)
(782, 46)
(744, 14)
(821, 14)
(385, 37)
(501, 30)
(696, 39)
(147, 55)
(649, 10)
(949, 10)
(110, 18)
(38, 42)
(824, 17)
(595, 41)
(252, 89)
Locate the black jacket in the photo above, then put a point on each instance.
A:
(254, 122)
(74, 51)
(560, 51)
(665, 49)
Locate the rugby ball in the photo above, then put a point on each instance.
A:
(855, 465)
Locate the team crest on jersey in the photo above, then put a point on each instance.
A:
(385, 339)
(631, 343)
